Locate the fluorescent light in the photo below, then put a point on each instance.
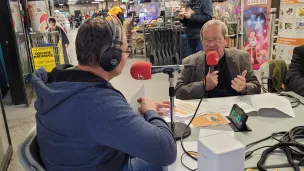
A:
(95, 2)
(99, 0)
(115, 0)
(61, 4)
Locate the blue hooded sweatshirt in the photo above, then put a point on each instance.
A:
(84, 124)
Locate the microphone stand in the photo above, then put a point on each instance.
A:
(177, 128)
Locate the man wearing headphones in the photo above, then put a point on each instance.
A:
(85, 124)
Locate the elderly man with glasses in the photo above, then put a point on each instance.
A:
(232, 76)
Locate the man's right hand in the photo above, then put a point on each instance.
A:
(211, 80)
(146, 104)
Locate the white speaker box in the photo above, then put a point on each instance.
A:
(220, 152)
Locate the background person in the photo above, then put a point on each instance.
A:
(197, 13)
(295, 75)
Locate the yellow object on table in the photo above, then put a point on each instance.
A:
(212, 119)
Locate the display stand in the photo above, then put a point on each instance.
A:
(235, 129)
(178, 129)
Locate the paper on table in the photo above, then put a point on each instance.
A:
(212, 119)
(224, 105)
(141, 92)
(268, 101)
(184, 110)
(207, 132)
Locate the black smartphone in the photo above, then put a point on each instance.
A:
(238, 117)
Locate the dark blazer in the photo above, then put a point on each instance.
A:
(190, 83)
(203, 12)
(295, 75)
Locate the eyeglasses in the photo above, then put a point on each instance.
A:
(215, 40)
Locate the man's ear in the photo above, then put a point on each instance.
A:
(226, 41)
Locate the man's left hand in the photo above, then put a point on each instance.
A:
(162, 105)
(239, 83)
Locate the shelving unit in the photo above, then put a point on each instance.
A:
(233, 34)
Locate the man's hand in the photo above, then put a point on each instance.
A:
(239, 83)
(162, 105)
(146, 104)
(187, 15)
(211, 80)
(181, 15)
(66, 45)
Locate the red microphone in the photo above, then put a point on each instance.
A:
(144, 70)
(212, 59)
(141, 70)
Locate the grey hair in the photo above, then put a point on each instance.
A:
(217, 23)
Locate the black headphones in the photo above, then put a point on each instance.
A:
(111, 57)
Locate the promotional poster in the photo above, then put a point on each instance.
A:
(291, 28)
(257, 30)
(37, 14)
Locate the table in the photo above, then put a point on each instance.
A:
(261, 128)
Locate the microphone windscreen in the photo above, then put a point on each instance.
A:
(212, 58)
(141, 70)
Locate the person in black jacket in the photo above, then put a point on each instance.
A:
(295, 75)
(197, 13)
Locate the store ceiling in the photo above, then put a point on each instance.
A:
(65, 2)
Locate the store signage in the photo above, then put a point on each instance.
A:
(291, 28)
(44, 57)
(256, 2)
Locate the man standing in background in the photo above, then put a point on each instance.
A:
(196, 14)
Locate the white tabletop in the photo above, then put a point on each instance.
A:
(261, 128)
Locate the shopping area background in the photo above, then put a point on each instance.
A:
(154, 34)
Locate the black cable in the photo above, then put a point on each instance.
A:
(195, 113)
(184, 163)
(249, 153)
(300, 163)
(288, 144)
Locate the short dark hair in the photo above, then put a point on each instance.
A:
(93, 38)
(53, 20)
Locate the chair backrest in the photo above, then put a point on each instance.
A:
(266, 74)
(28, 153)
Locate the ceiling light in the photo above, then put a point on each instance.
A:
(95, 2)
(61, 4)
